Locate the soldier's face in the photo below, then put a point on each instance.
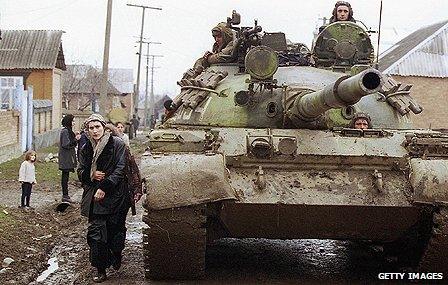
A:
(361, 124)
(342, 13)
(96, 130)
(218, 39)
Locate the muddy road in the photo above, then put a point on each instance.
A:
(232, 261)
(229, 261)
(59, 239)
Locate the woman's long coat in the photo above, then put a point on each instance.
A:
(111, 161)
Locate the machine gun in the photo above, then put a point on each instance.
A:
(246, 37)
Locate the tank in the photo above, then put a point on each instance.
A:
(260, 148)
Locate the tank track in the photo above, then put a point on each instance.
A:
(174, 244)
(435, 256)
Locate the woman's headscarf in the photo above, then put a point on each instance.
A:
(67, 122)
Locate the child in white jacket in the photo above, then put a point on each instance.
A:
(27, 176)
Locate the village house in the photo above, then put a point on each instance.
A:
(31, 64)
(159, 108)
(421, 59)
(82, 92)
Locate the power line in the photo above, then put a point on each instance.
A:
(137, 87)
(151, 113)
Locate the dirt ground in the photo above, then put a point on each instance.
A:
(32, 237)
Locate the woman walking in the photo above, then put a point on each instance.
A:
(105, 200)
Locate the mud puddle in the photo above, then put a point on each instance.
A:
(52, 267)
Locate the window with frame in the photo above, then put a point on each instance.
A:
(8, 85)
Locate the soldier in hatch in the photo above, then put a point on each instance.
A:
(342, 12)
(221, 51)
(361, 121)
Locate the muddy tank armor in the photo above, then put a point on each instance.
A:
(259, 149)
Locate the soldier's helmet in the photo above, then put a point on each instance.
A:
(335, 9)
(360, 115)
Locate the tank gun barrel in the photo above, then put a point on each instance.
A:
(343, 92)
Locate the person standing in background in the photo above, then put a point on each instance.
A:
(67, 154)
(135, 123)
(27, 176)
(121, 134)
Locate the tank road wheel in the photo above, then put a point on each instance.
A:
(175, 242)
(409, 248)
(435, 256)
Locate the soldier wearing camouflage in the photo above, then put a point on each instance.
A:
(222, 47)
(221, 50)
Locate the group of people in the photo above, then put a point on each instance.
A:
(111, 182)
(107, 171)
(110, 179)
(68, 143)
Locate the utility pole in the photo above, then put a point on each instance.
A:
(105, 72)
(137, 87)
(151, 101)
(145, 115)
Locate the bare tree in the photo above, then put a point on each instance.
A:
(80, 81)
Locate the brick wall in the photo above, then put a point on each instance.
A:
(9, 128)
(9, 135)
(432, 95)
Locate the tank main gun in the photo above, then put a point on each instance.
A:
(345, 91)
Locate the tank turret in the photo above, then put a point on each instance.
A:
(346, 91)
(341, 45)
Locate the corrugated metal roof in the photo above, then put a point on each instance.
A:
(31, 49)
(85, 79)
(422, 64)
(422, 53)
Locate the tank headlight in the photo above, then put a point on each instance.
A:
(261, 62)
(261, 148)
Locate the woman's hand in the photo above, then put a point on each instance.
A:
(99, 175)
(99, 195)
(137, 197)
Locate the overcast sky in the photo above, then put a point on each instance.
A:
(183, 27)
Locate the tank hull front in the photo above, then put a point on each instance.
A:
(295, 221)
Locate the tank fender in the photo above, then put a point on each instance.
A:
(184, 179)
(429, 179)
